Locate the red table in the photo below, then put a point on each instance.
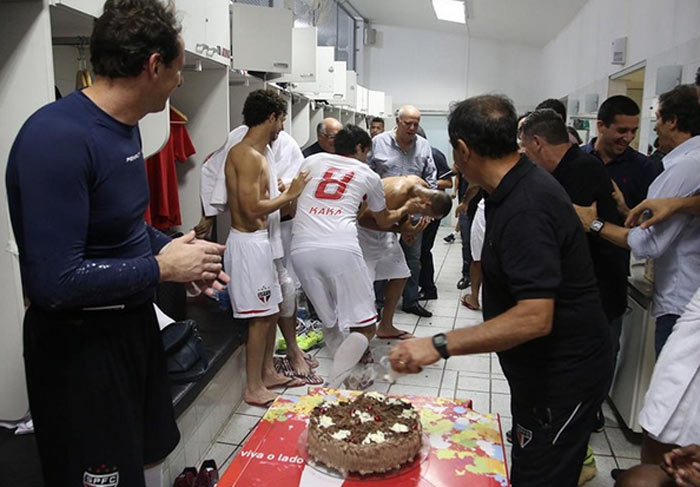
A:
(466, 448)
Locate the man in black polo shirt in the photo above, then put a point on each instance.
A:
(618, 122)
(543, 312)
(546, 142)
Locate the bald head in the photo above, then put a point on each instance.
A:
(407, 123)
(326, 132)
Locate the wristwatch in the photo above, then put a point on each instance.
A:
(440, 344)
(596, 226)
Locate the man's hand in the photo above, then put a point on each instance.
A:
(659, 209)
(410, 356)
(210, 288)
(410, 228)
(683, 465)
(280, 185)
(203, 228)
(619, 200)
(461, 209)
(416, 205)
(298, 184)
(587, 214)
(186, 259)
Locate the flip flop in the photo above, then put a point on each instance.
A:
(313, 363)
(265, 405)
(404, 335)
(293, 381)
(467, 305)
(313, 379)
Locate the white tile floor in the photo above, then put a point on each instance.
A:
(476, 377)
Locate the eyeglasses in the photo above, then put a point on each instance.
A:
(328, 136)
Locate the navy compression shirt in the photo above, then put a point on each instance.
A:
(77, 191)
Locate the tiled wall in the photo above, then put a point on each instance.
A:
(202, 422)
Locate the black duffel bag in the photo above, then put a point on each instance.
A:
(184, 352)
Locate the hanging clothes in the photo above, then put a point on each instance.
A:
(163, 209)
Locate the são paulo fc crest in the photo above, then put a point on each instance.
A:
(101, 477)
(264, 294)
(523, 435)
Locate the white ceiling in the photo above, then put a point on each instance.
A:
(529, 22)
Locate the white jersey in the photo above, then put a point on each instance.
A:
(327, 208)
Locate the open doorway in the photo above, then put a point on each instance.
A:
(630, 82)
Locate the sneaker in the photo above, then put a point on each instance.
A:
(450, 238)
(599, 425)
(186, 478)
(589, 469)
(208, 475)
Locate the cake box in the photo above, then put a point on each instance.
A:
(465, 448)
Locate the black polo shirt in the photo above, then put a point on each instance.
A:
(440, 164)
(534, 248)
(632, 172)
(584, 178)
(314, 148)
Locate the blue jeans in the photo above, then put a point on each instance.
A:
(412, 253)
(664, 327)
(465, 225)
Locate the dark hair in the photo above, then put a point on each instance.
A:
(573, 132)
(697, 77)
(617, 105)
(421, 132)
(128, 32)
(487, 124)
(441, 203)
(347, 140)
(260, 104)
(377, 120)
(553, 104)
(681, 103)
(547, 124)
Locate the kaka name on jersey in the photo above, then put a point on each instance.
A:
(314, 210)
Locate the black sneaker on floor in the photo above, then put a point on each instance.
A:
(463, 283)
(426, 295)
(418, 310)
(509, 436)
(616, 472)
(450, 238)
(599, 425)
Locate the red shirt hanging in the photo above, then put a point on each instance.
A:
(163, 209)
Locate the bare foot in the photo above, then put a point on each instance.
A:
(260, 397)
(471, 301)
(390, 331)
(299, 365)
(278, 380)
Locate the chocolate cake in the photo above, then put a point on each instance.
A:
(372, 433)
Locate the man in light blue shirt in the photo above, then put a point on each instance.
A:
(401, 152)
(674, 244)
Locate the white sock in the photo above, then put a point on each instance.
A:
(346, 357)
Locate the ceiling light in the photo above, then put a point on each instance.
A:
(450, 10)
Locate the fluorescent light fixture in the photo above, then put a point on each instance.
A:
(450, 10)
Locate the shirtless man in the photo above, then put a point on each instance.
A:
(253, 198)
(382, 251)
(286, 163)
(325, 250)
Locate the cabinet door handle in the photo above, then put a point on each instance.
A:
(281, 65)
(306, 75)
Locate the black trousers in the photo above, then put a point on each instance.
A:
(427, 268)
(549, 443)
(99, 395)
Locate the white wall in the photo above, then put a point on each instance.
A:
(659, 32)
(431, 69)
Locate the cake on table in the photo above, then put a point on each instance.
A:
(371, 433)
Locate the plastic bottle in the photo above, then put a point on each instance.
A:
(224, 300)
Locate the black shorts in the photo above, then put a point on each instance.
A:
(549, 443)
(99, 395)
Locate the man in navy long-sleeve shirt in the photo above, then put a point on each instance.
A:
(77, 191)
